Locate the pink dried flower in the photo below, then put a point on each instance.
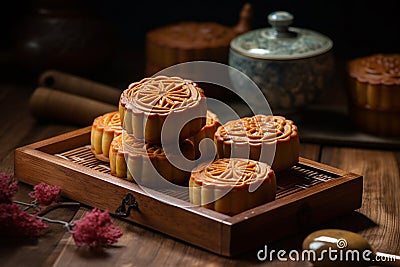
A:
(14, 221)
(8, 187)
(96, 229)
(45, 194)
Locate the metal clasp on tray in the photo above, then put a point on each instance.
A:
(128, 203)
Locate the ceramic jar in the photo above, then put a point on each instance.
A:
(290, 65)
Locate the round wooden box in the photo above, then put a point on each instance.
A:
(189, 41)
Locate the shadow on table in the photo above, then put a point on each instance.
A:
(333, 126)
(353, 221)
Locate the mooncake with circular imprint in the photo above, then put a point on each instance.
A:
(232, 185)
(208, 131)
(265, 138)
(145, 163)
(145, 106)
(374, 93)
(104, 129)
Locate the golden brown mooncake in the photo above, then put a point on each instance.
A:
(143, 163)
(208, 131)
(265, 138)
(232, 185)
(146, 105)
(104, 129)
(374, 93)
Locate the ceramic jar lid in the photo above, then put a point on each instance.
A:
(281, 42)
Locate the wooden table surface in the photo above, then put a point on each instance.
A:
(377, 220)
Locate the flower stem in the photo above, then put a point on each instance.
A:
(56, 205)
(28, 206)
(67, 225)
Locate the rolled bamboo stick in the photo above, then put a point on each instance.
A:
(79, 86)
(52, 105)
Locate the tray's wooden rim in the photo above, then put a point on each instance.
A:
(66, 141)
(45, 150)
(69, 140)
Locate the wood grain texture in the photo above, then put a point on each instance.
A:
(34, 251)
(380, 169)
(377, 220)
(310, 151)
(290, 213)
(106, 192)
(18, 126)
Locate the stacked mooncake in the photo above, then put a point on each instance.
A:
(156, 136)
(145, 109)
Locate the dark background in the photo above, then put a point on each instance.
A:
(357, 28)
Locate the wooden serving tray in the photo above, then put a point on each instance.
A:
(309, 194)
